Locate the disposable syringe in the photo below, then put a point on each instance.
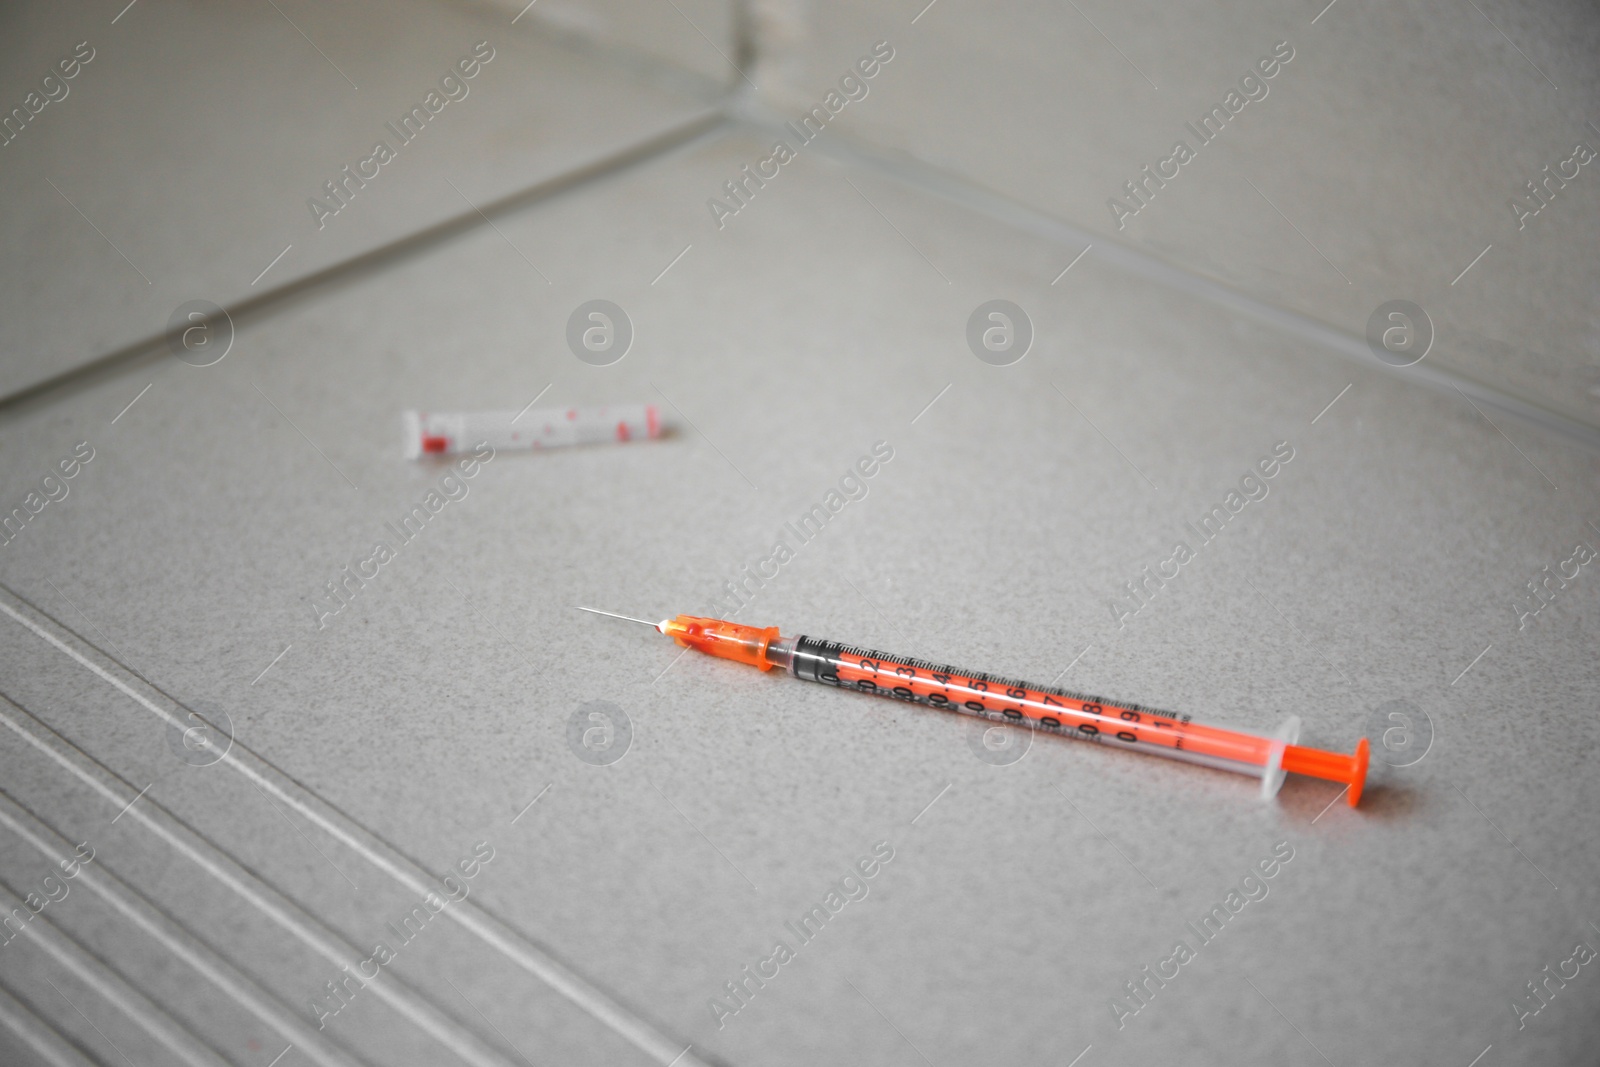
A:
(1042, 708)
(439, 433)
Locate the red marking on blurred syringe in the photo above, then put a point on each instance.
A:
(1042, 708)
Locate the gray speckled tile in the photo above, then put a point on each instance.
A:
(697, 35)
(186, 153)
(1383, 561)
(1383, 154)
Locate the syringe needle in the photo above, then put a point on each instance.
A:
(625, 618)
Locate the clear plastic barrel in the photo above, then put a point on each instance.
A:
(1042, 708)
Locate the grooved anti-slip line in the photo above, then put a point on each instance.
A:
(72, 957)
(222, 868)
(36, 1034)
(408, 873)
(137, 909)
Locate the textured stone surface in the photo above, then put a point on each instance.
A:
(383, 744)
(1386, 556)
(195, 137)
(1383, 153)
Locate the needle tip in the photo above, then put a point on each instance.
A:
(657, 626)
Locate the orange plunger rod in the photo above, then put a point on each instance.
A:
(1332, 766)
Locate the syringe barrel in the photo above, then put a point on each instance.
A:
(450, 433)
(1026, 705)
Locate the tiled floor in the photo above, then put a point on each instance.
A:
(425, 726)
(135, 194)
(1376, 163)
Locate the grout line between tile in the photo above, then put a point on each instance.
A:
(708, 123)
(1131, 260)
